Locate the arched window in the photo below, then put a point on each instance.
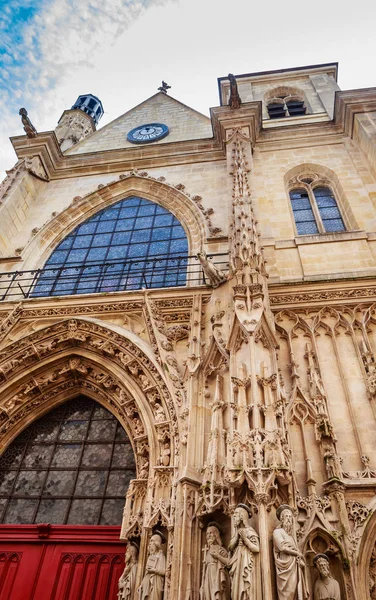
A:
(315, 209)
(71, 466)
(285, 102)
(132, 244)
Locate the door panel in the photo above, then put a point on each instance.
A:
(81, 563)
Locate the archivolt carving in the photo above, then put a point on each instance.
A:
(186, 209)
(99, 360)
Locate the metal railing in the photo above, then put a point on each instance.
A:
(105, 277)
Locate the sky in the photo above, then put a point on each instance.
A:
(51, 51)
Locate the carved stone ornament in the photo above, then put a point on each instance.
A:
(152, 585)
(35, 167)
(214, 275)
(326, 587)
(29, 128)
(289, 561)
(234, 100)
(127, 581)
(215, 581)
(244, 545)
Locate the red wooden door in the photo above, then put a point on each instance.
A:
(60, 562)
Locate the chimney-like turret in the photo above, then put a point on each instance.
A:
(79, 122)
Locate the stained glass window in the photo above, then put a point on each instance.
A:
(71, 466)
(132, 244)
(315, 210)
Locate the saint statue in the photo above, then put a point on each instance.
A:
(244, 545)
(128, 579)
(152, 585)
(215, 579)
(326, 587)
(289, 561)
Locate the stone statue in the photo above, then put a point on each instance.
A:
(152, 584)
(128, 579)
(234, 100)
(326, 588)
(29, 128)
(211, 272)
(243, 545)
(215, 579)
(331, 463)
(289, 561)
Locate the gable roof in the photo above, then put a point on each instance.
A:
(184, 123)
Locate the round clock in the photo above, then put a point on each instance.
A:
(147, 133)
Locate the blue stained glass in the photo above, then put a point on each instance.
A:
(96, 254)
(307, 228)
(131, 232)
(58, 257)
(129, 211)
(330, 213)
(101, 239)
(89, 227)
(82, 241)
(143, 222)
(77, 256)
(66, 244)
(300, 203)
(159, 247)
(334, 225)
(110, 213)
(115, 252)
(105, 226)
(141, 235)
(163, 220)
(146, 210)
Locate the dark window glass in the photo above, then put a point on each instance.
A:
(303, 213)
(327, 205)
(73, 465)
(129, 236)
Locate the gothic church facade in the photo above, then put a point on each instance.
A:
(198, 295)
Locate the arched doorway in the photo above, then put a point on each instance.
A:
(62, 486)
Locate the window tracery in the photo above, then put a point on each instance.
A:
(132, 244)
(71, 466)
(314, 206)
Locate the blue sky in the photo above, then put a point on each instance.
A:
(53, 50)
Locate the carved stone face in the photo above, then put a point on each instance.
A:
(154, 544)
(212, 536)
(322, 566)
(240, 516)
(286, 519)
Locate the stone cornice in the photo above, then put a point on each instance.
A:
(60, 166)
(350, 103)
(225, 118)
(302, 295)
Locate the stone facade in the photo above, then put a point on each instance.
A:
(257, 390)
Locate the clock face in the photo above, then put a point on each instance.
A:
(147, 133)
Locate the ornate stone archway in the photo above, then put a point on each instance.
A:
(189, 211)
(116, 368)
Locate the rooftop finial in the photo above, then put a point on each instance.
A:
(164, 87)
(29, 128)
(235, 100)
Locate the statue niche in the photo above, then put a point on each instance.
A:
(215, 577)
(289, 561)
(152, 585)
(244, 545)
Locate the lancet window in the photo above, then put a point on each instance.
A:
(315, 208)
(132, 244)
(72, 466)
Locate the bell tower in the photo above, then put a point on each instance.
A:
(80, 121)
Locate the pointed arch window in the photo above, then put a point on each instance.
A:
(315, 209)
(132, 244)
(72, 466)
